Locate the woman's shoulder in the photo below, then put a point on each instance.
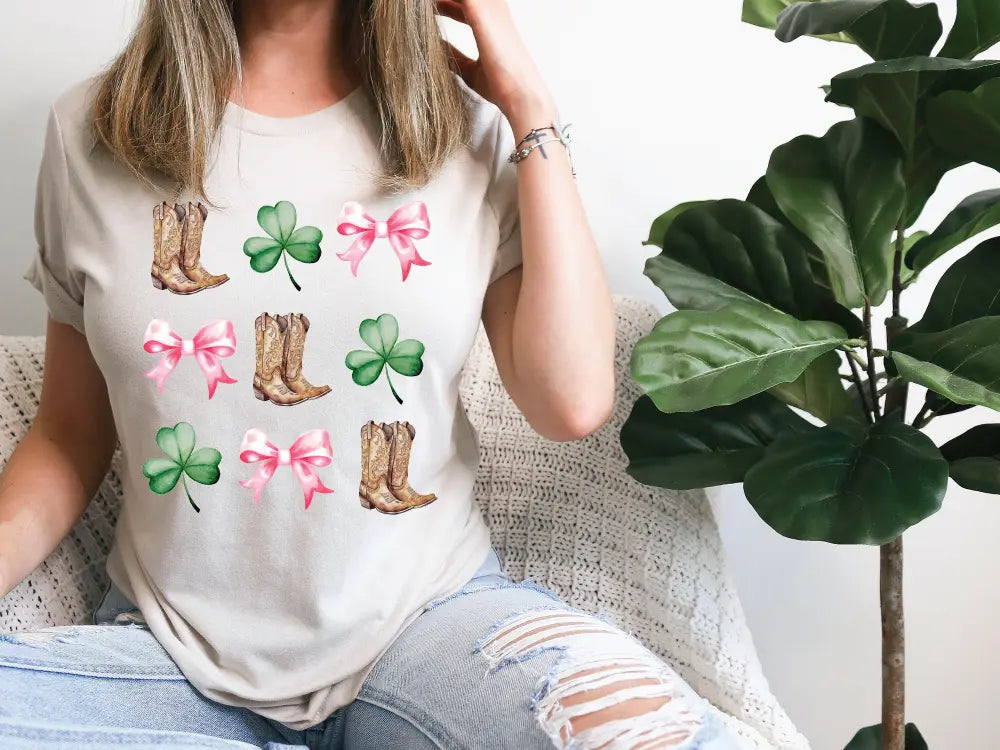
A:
(72, 110)
(489, 124)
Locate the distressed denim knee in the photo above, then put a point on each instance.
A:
(606, 690)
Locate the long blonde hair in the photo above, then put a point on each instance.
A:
(159, 105)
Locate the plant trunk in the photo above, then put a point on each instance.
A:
(893, 646)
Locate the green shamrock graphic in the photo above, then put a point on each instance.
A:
(279, 223)
(183, 461)
(402, 356)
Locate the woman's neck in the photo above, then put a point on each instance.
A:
(289, 56)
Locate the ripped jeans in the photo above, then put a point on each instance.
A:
(497, 665)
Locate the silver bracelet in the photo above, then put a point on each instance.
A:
(561, 135)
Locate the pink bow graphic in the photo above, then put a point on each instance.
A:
(212, 341)
(406, 224)
(310, 449)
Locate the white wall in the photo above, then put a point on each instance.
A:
(670, 102)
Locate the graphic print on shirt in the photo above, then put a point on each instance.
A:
(406, 224)
(177, 234)
(281, 342)
(212, 341)
(283, 240)
(385, 465)
(182, 462)
(309, 450)
(381, 335)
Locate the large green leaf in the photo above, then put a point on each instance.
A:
(940, 406)
(761, 196)
(844, 191)
(694, 360)
(688, 450)
(961, 363)
(890, 92)
(819, 391)
(894, 93)
(662, 223)
(969, 289)
(885, 29)
(975, 214)
(974, 458)
(967, 124)
(870, 738)
(908, 275)
(765, 13)
(976, 29)
(742, 253)
(688, 289)
(848, 484)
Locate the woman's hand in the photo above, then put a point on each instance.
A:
(504, 74)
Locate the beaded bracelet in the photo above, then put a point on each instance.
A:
(561, 135)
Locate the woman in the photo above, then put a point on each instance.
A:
(254, 598)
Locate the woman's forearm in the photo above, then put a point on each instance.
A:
(62, 460)
(563, 329)
(44, 489)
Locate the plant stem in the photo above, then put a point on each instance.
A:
(923, 416)
(897, 396)
(284, 257)
(390, 386)
(872, 386)
(893, 382)
(859, 384)
(188, 493)
(891, 554)
(856, 357)
(893, 645)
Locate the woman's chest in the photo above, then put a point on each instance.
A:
(295, 256)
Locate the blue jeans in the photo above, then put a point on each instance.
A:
(497, 665)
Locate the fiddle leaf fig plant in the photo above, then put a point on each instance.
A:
(774, 371)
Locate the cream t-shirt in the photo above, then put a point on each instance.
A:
(252, 350)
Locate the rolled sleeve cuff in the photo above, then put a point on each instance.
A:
(63, 307)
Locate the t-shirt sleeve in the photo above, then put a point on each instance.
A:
(49, 270)
(502, 196)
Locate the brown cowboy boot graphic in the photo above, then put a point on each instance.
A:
(193, 228)
(400, 446)
(373, 491)
(296, 326)
(167, 241)
(267, 382)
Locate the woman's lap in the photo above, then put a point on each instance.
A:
(498, 665)
(109, 686)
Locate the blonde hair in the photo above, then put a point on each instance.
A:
(159, 105)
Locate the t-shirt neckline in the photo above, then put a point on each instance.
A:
(241, 118)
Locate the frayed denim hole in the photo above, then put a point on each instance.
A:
(710, 729)
(568, 609)
(526, 656)
(526, 584)
(709, 724)
(59, 634)
(39, 638)
(496, 628)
